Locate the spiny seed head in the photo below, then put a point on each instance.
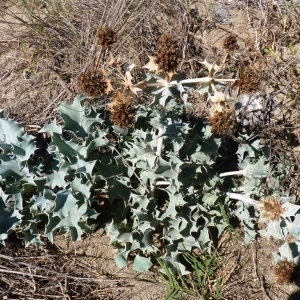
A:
(271, 208)
(285, 271)
(105, 36)
(249, 80)
(230, 43)
(167, 54)
(221, 121)
(92, 83)
(122, 110)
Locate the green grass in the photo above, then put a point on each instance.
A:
(202, 283)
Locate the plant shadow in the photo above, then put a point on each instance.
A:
(295, 296)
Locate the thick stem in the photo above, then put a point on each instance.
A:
(161, 132)
(241, 172)
(204, 79)
(160, 183)
(160, 139)
(213, 88)
(193, 80)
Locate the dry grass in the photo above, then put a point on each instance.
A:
(50, 273)
(63, 271)
(48, 44)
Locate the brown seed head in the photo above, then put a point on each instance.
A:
(105, 36)
(167, 54)
(221, 121)
(249, 80)
(122, 110)
(230, 43)
(271, 208)
(285, 271)
(92, 83)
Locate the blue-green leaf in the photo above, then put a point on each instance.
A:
(74, 116)
(56, 179)
(142, 264)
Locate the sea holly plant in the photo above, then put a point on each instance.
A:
(155, 175)
(164, 170)
(163, 203)
(16, 148)
(260, 191)
(145, 173)
(287, 262)
(51, 191)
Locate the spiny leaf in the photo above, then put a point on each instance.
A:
(56, 179)
(51, 128)
(78, 185)
(142, 264)
(68, 149)
(64, 202)
(8, 220)
(294, 227)
(73, 220)
(74, 117)
(138, 154)
(120, 189)
(11, 168)
(24, 149)
(120, 260)
(44, 203)
(289, 251)
(274, 229)
(11, 132)
(258, 169)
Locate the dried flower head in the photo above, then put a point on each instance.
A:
(249, 80)
(122, 110)
(105, 36)
(222, 121)
(271, 208)
(285, 271)
(167, 54)
(92, 83)
(230, 43)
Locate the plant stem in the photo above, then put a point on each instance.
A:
(241, 172)
(163, 182)
(244, 198)
(161, 131)
(160, 140)
(204, 79)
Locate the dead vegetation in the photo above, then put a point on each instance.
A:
(70, 272)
